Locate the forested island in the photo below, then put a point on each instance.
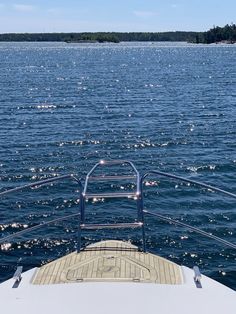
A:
(220, 34)
(226, 34)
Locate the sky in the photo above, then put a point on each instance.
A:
(114, 15)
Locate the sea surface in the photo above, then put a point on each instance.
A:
(164, 106)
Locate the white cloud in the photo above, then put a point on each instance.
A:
(145, 14)
(24, 7)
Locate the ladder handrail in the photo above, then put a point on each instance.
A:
(109, 163)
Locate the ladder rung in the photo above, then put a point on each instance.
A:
(110, 195)
(111, 226)
(104, 178)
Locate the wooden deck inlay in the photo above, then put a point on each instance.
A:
(109, 261)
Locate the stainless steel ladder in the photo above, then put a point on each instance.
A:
(137, 195)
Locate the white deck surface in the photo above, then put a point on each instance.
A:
(117, 297)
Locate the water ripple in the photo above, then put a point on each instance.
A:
(167, 106)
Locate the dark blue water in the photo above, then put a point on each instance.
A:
(170, 107)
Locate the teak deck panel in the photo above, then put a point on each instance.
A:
(109, 261)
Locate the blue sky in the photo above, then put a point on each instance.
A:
(110, 15)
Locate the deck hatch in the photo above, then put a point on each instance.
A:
(110, 260)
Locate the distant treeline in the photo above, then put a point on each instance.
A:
(216, 34)
(101, 37)
(220, 34)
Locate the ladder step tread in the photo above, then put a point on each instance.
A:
(111, 226)
(101, 178)
(109, 195)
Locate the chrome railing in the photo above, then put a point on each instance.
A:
(141, 211)
(39, 184)
(179, 223)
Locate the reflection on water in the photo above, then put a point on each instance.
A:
(167, 106)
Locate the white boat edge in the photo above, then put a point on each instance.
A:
(116, 296)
